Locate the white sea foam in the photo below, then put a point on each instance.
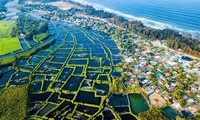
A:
(146, 22)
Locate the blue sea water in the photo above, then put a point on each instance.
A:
(180, 15)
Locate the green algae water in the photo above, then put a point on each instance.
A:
(172, 114)
(138, 103)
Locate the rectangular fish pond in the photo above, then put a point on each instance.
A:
(73, 83)
(118, 100)
(138, 103)
(6, 77)
(88, 97)
(170, 113)
(46, 109)
(78, 62)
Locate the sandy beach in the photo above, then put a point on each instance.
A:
(63, 5)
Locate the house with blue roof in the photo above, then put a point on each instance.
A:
(159, 76)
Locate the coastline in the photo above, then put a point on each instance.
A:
(147, 22)
(177, 50)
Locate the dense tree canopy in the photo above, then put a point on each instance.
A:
(2, 7)
(152, 114)
(30, 26)
(14, 103)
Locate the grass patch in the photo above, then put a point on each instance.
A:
(6, 28)
(8, 45)
(40, 37)
(14, 103)
(118, 69)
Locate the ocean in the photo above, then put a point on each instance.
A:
(180, 15)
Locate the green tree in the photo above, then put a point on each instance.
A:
(118, 86)
(182, 102)
(150, 77)
(179, 118)
(14, 103)
(194, 78)
(180, 86)
(125, 77)
(152, 114)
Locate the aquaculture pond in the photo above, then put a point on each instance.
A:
(120, 103)
(108, 115)
(73, 83)
(24, 45)
(88, 97)
(138, 103)
(5, 77)
(127, 117)
(46, 109)
(186, 113)
(102, 89)
(118, 100)
(71, 78)
(170, 113)
(186, 58)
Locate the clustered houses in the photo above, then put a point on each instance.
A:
(172, 75)
(88, 21)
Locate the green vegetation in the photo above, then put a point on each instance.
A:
(118, 69)
(30, 26)
(8, 45)
(14, 103)
(7, 60)
(118, 86)
(25, 54)
(197, 117)
(8, 40)
(190, 48)
(40, 37)
(152, 114)
(6, 28)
